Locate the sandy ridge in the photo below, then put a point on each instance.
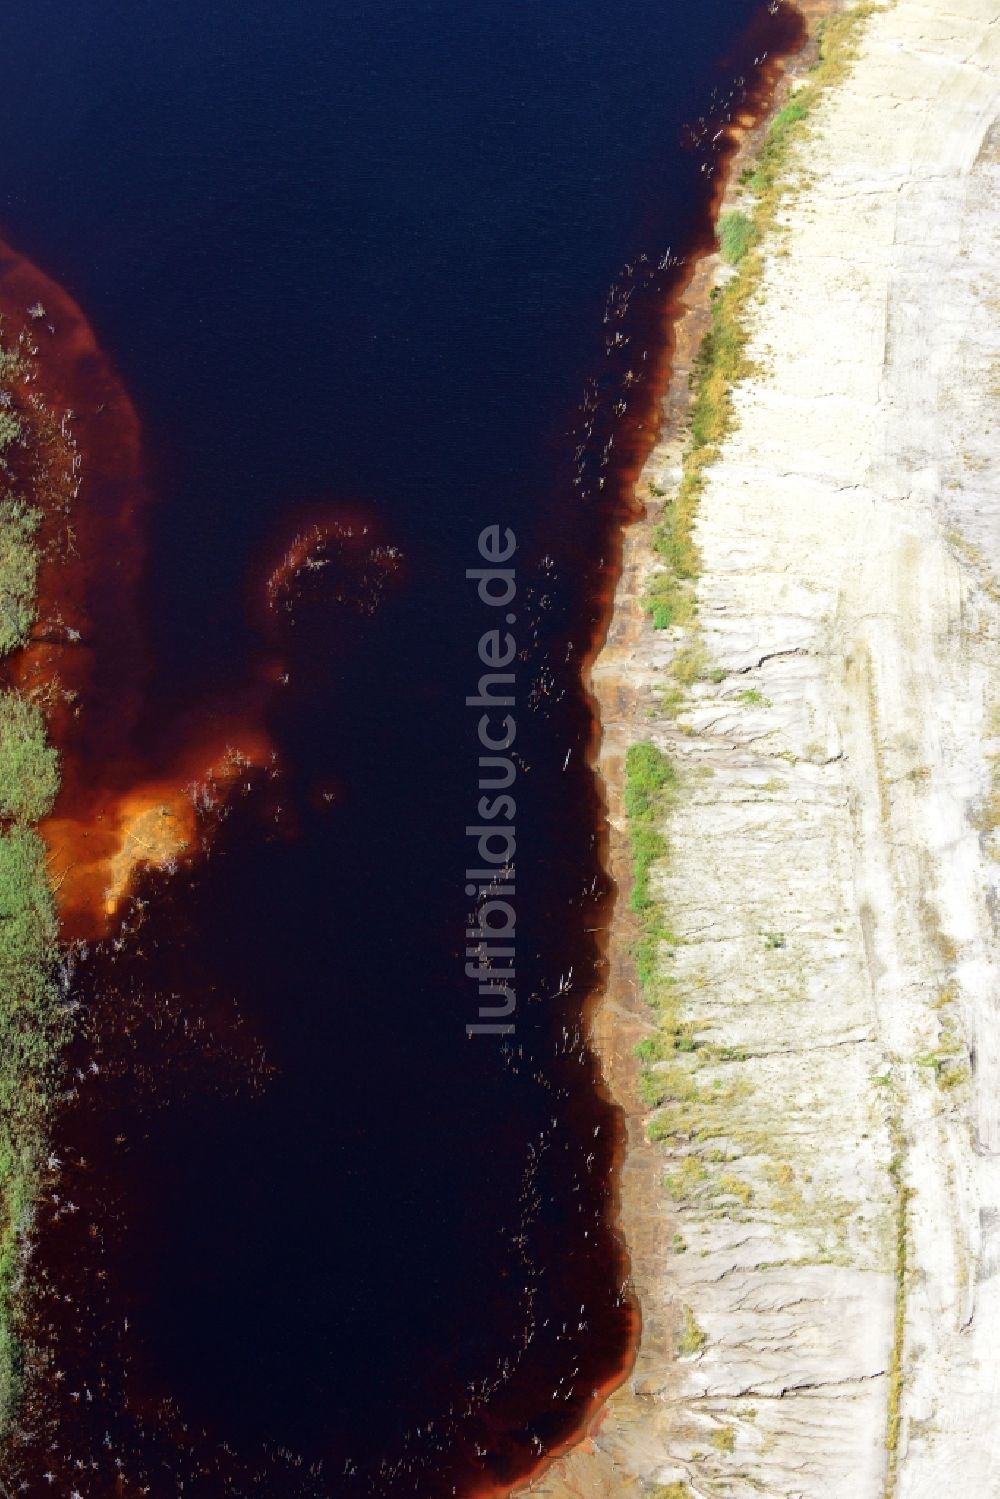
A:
(832, 881)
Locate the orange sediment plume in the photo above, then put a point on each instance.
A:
(153, 824)
(81, 465)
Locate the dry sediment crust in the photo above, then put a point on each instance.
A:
(832, 880)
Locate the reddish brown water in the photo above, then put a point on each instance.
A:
(304, 1237)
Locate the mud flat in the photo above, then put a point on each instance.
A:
(811, 1194)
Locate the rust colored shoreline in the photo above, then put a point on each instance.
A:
(685, 316)
(91, 560)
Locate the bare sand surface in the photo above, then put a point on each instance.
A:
(815, 1248)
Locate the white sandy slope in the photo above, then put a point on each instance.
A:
(834, 786)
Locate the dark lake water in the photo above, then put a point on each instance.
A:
(376, 276)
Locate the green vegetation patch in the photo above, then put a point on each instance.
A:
(32, 1030)
(780, 137)
(650, 788)
(33, 1017)
(691, 1339)
(10, 429)
(736, 235)
(649, 775)
(702, 1100)
(29, 765)
(18, 572)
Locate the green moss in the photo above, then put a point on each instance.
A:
(29, 766)
(648, 772)
(689, 1109)
(691, 1339)
(691, 664)
(780, 136)
(18, 572)
(649, 776)
(724, 1440)
(735, 1186)
(955, 1076)
(668, 599)
(687, 1181)
(736, 235)
(10, 429)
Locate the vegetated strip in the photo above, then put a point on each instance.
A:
(650, 786)
(33, 1015)
(650, 780)
(722, 360)
(901, 1248)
